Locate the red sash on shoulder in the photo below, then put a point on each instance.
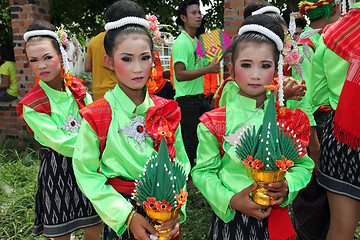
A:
(37, 99)
(343, 38)
(215, 121)
(98, 115)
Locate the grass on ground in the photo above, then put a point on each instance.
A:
(18, 183)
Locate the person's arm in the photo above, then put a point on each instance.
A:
(47, 132)
(314, 148)
(111, 206)
(205, 174)
(187, 75)
(5, 81)
(88, 64)
(318, 84)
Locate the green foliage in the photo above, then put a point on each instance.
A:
(5, 23)
(198, 219)
(86, 76)
(18, 174)
(85, 18)
(19, 171)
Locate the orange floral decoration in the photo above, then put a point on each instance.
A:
(273, 87)
(181, 198)
(163, 206)
(280, 164)
(163, 131)
(150, 203)
(249, 161)
(69, 78)
(257, 164)
(156, 81)
(284, 164)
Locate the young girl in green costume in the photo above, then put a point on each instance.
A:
(122, 130)
(50, 109)
(219, 174)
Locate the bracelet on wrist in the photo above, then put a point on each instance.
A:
(128, 221)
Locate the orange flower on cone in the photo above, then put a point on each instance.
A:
(150, 203)
(248, 161)
(163, 206)
(281, 165)
(257, 164)
(288, 163)
(181, 198)
(163, 131)
(284, 164)
(273, 87)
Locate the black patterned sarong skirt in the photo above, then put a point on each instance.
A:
(60, 208)
(339, 165)
(241, 227)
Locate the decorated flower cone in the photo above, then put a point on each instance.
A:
(160, 189)
(267, 153)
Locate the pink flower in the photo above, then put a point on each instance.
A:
(288, 45)
(63, 35)
(65, 41)
(152, 18)
(288, 59)
(153, 26)
(295, 55)
(157, 34)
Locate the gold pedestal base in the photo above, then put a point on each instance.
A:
(159, 217)
(264, 177)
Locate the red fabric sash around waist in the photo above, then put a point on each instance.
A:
(121, 186)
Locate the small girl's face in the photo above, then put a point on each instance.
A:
(253, 68)
(132, 60)
(44, 60)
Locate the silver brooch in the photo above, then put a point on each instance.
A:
(136, 130)
(71, 124)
